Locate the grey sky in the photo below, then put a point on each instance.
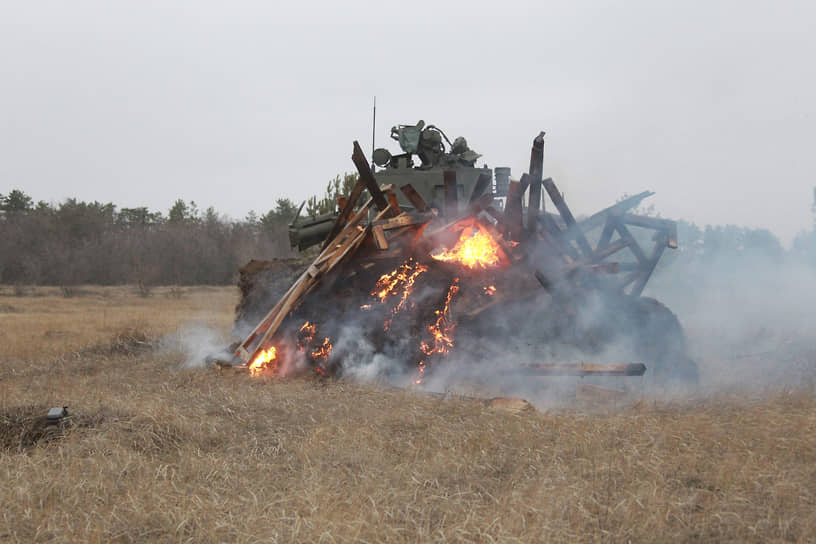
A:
(233, 104)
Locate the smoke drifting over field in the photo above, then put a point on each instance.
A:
(750, 320)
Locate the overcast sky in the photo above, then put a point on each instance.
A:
(234, 104)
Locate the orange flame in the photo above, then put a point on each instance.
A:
(490, 290)
(442, 329)
(305, 335)
(266, 360)
(474, 249)
(322, 352)
(420, 373)
(399, 283)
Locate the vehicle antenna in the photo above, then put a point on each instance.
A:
(373, 133)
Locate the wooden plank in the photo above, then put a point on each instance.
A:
(566, 214)
(451, 194)
(414, 197)
(367, 177)
(512, 210)
(344, 249)
(605, 252)
(392, 199)
(634, 247)
(379, 237)
(271, 320)
(604, 268)
(403, 220)
(552, 228)
(345, 213)
(481, 185)
(654, 258)
(533, 205)
(666, 225)
(619, 208)
(606, 234)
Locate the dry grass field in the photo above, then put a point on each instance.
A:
(154, 452)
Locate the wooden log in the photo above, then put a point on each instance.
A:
(414, 197)
(536, 173)
(481, 185)
(367, 177)
(451, 194)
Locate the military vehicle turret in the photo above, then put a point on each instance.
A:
(426, 154)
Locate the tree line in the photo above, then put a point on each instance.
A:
(76, 242)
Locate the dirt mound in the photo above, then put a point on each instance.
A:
(262, 284)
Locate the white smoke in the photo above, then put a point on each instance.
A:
(197, 342)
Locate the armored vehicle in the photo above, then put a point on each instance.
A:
(427, 153)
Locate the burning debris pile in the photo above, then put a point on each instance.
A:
(424, 282)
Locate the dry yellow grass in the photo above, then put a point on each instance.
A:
(158, 454)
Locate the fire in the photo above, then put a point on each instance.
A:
(420, 373)
(442, 329)
(474, 249)
(322, 352)
(397, 283)
(305, 335)
(267, 359)
(490, 290)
